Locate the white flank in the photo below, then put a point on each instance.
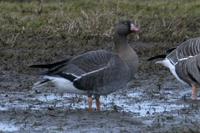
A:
(38, 84)
(171, 67)
(64, 85)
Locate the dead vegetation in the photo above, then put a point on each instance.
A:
(35, 31)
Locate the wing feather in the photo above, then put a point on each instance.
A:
(114, 75)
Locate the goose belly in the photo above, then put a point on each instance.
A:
(64, 85)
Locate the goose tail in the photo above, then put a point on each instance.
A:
(40, 83)
(157, 57)
(49, 66)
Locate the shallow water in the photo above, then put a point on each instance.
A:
(134, 101)
(8, 127)
(143, 108)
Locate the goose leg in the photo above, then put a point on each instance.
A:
(194, 92)
(90, 103)
(98, 104)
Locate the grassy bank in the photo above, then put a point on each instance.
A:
(29, 31)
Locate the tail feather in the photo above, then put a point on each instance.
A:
(157, 57)
(41, 83)
(49, 66)
(170, 50)
(161, 56)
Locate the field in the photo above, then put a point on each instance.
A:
(44, 31)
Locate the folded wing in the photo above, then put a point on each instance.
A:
(106, 79)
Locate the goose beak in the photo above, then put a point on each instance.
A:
(134, 28)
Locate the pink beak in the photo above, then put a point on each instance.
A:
(134, 28)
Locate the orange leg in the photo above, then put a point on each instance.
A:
(98, 104)
(194, 92)
(90, 104)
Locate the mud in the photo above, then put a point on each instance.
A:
(154, 101)
(150, 104)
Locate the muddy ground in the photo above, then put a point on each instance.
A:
(154, 102)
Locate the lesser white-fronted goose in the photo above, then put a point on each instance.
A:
(184, 63)
(96, 72)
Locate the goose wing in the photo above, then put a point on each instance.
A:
(53, 67)
(189, 70)
(84, 63)
(185, 50)
(79, 64)
(106, 79)
(188, 48)
(50, 66)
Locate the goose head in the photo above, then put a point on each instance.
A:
(124, 28)
(121, 31)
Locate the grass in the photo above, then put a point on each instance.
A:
(159, 20)
(72, 27)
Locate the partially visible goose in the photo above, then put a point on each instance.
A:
(96, 72)
(184, 63)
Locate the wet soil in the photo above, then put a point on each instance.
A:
(148, 105)
(154, 102)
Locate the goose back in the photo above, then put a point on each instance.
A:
(188, 48)
(185, 50)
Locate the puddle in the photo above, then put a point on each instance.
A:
(3, 108)
(132, 101)
(143, 110)
(8, 127)
(49, 97)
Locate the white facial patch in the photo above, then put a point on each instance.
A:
(134, 28)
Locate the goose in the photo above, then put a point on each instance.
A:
(184, 63)
(95, 73)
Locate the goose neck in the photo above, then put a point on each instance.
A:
(120, 42)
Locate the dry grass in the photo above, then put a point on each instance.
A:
(159, 20)
(34, 29)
